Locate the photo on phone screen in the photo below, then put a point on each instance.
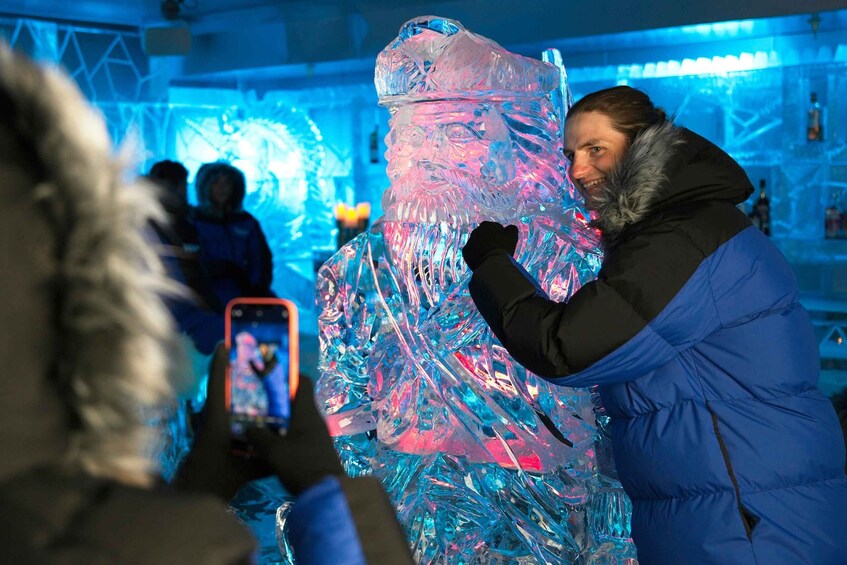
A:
(262, 368)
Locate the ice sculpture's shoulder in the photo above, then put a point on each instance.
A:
(349, 268)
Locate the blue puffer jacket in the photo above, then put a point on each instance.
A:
(233, 247)
(706, 361)
(236, 255)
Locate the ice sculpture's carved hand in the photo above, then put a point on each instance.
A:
(488, 237)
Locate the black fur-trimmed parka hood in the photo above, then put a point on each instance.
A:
(87, 343)
(665, 166)
(87, 346)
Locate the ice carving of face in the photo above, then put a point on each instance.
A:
(449, 162)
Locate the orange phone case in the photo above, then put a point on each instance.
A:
(293, 339)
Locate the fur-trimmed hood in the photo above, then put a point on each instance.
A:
(666, 166)
(205, 178)
(86, 341)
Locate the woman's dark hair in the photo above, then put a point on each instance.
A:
(630, 110)
(171, 172)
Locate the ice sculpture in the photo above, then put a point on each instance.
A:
(484, 461)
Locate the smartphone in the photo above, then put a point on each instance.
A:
(263, 373)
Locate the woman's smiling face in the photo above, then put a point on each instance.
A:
(594, 147)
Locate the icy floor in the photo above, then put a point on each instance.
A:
(255, 505)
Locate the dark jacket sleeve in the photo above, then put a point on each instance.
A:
(347, 521)
(613, 329)
(204, 326)
(259, 261)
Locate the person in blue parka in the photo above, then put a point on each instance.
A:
(693, 330)
(233, 247)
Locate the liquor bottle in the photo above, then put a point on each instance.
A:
(373, 145)
(761, 214)
(833, 225)
(814, 122)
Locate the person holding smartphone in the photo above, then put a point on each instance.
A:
(335, 519)
(87, 346)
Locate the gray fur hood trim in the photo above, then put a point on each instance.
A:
(116, 342)
(636, 183)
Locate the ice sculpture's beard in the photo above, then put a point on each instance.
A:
(429, 213)
(427, 258)
(438, 194)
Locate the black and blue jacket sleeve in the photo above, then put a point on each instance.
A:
(650, 300)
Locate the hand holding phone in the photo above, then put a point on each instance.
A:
(299, 459)
(305, 455)
(211, 466)
(263, 372)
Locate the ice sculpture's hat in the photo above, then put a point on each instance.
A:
(436, 58)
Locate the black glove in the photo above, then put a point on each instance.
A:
(488, 237)
(211, 466)
(303, 456)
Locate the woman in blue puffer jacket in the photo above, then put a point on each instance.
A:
(233, 247)
(705, 358)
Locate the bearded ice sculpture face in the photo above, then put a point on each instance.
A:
(449, 162)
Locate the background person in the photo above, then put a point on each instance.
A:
(233, 247)
(707, 362)
(172, 178)
(198, 313)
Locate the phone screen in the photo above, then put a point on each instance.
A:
(262, 364)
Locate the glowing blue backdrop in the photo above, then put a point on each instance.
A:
(745, 85)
